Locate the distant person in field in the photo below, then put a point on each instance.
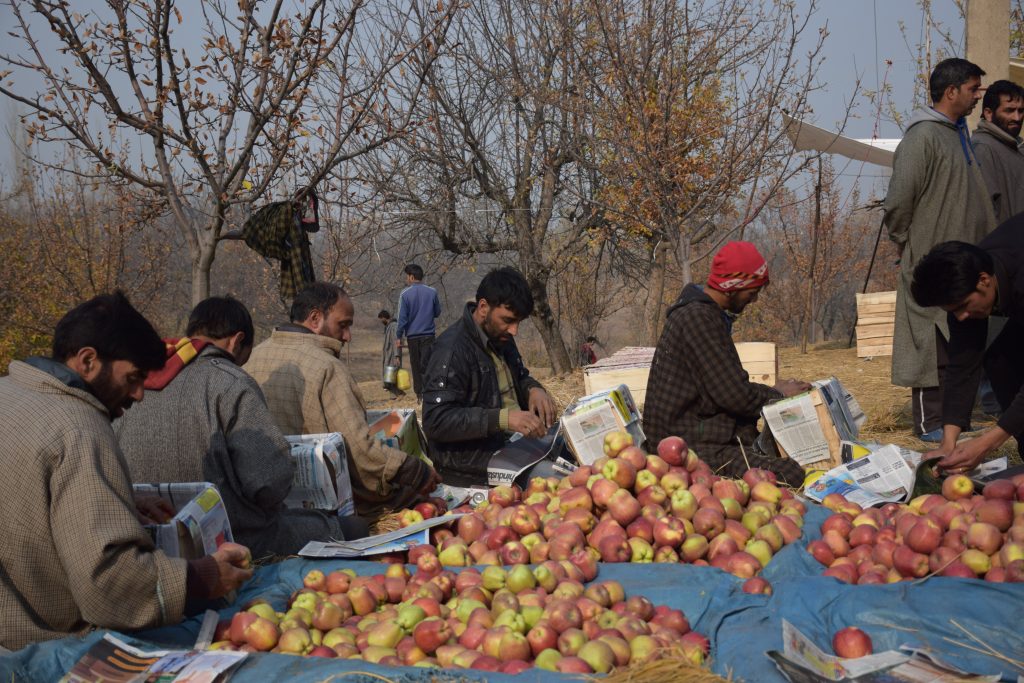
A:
(698, 389)
(478, 390)
(74, 556)
(205, 419)
(310, 390)
(588, 354)
(418, 307)
(392, 355)
(968, 284)
(998, 143)
(936, 193)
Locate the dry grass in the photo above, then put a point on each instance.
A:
(868, 379)
(674, 666)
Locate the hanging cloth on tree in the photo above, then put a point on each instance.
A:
(278, 231)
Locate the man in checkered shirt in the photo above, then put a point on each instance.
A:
(698, 389)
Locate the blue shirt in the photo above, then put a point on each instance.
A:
(418, 305)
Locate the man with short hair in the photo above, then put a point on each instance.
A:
(418, 306)
(969, 283)
(698, 389)
(936, 194)
(204, 419)
(309, 390)
(74, 556)
(478, 391)
(998, 143)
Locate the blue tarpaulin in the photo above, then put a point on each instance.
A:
(741, 627)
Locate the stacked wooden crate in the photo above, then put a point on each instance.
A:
(876, 318)
(631, 366)
(760, 360)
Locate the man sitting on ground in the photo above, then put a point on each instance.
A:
(478, 391)
(972, 283)
(697, 388)
(309, 390)
(74, 555)
(204, 419)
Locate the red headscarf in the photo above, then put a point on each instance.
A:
(736, 266)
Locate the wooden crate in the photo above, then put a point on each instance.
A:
(760, 360)
(632, 366)
(876, 319)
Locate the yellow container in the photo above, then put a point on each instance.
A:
(403, 380)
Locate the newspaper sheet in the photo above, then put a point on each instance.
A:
(799, 649)
(795, 426)
(321, 473)
(801, 661)
(885, 475)
(400, 539)
(522, 453)
(111, 659)
(846, 413)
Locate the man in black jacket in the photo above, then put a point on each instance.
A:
(972, 283)
(478, 391)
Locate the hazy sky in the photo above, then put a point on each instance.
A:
(863, 34)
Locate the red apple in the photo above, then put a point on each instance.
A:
(851, 643)
(673, 450)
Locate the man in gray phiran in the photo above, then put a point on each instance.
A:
(936, 194)
(998, 143)
(74, 556)
(205, 419)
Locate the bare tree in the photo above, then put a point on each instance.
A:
(687, 97)
(488, 175)
(238, 102)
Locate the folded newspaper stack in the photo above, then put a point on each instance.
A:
(810, 427)
(885, 475)
(393, 541)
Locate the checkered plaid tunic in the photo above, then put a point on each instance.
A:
(699, 390)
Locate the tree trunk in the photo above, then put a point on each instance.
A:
(656, 294)
(807, 328)
(202, 262)
(544, 319)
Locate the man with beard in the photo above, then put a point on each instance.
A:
(936, 193)
(698, 389)
(478, 391)
(74, 555)
(997, 141)
(205, 419)
(309, 390)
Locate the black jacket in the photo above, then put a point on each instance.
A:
(967, 339)
(462, 402)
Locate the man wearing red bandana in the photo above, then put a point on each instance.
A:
(697, 388)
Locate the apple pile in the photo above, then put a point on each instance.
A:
(630, 507)
(553, 617)
(958, 533)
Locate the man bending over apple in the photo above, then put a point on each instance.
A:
(478, 391)
(74, 555)
(972, 283)
(698, 389)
